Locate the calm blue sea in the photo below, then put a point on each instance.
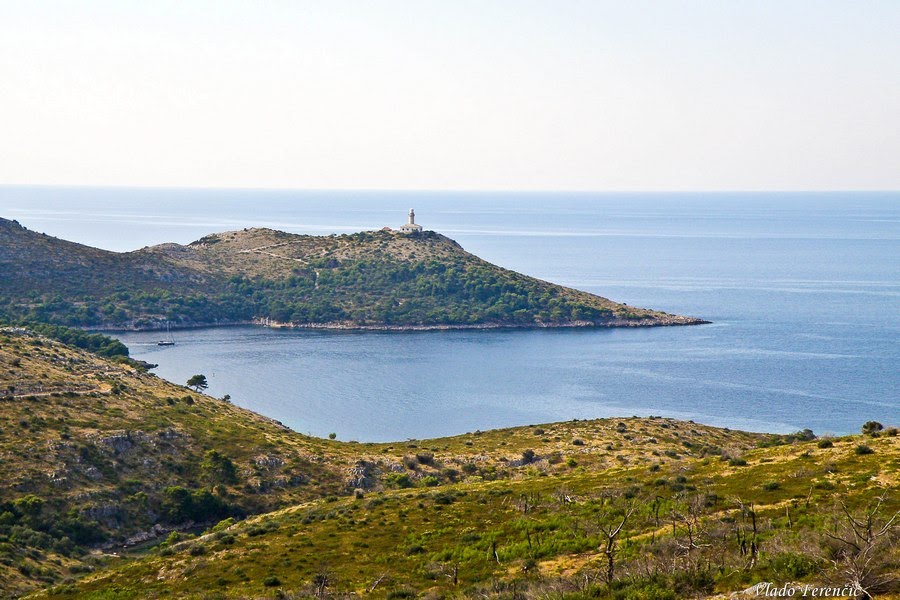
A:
(803, 290)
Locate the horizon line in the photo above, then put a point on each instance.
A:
(451, 190)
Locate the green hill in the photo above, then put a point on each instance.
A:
(117, 484)
(370, 279)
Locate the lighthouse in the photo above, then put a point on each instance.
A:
(411, 226)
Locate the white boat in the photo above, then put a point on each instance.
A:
(169, 341)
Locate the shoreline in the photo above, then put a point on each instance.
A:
(671, 321)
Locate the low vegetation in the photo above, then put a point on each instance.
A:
(120, 485)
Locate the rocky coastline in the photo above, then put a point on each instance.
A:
(664, 321)
(668, 321)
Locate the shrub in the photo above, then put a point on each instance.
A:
(398, 480)
(181, 504)
(527, 456)
(271, 581)
(771, 486)
(444, 498)
(219, 467)
(862, 449)
(805, 436)
(577, 442)
(825, 444)
(870, 427)
(737, 462)
(222, 525)
(790, 565)
(425, 458)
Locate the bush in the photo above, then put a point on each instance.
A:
(737, 462)
(825, 444)
(771, 486)
(870, 427)
(862, 449)
(806, 435)
(793, 566)
(181, 504)
(271, 581)
(398, 480)
(527, 456)
(219, 467)
(425, 458)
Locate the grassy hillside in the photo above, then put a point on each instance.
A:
(696, 526)
(120, 485)
(367, 279)
(94, 451)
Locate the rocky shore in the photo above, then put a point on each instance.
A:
(666, 321)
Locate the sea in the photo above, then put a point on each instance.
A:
(802, 289)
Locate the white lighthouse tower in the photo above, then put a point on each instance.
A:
(411, 226)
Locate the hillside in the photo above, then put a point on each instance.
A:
(95, 451)
(369, 279)
(101, 462)
(692, 528)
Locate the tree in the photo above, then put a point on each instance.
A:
(612, 520)
(198, 382)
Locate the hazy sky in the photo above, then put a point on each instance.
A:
(453, 94)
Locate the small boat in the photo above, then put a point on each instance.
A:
(169, 341)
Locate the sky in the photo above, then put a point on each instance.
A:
(452, 94)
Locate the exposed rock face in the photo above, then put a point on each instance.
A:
(119, 443)
(109, 515)
(268, 462)
(363, 475)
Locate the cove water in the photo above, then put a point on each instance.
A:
(803, 290)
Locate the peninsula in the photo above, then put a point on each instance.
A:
(387, 279)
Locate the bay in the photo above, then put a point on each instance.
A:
(803, 291)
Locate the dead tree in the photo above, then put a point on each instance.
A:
(748, 542)
(611, 526)
(862, 542)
